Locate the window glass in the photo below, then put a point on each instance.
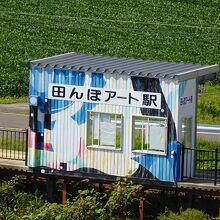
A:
(104, 130)
(149, 134)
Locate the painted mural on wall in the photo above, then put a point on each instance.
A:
(57, 134)
(151, 162)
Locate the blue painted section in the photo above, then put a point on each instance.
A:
(77, 161)
(39, 79)
(34, 81)
(40, 126)
(40, 146)
(33, 101)
(182, 87)
(50, 148)
(97, 80)
(164, 168)
(171, 99)
(41, 112)
(80, 116)
(41, 103)
(61, 77)
(53, 124)
(66, 77)
(176, 163)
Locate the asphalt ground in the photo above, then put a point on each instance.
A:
(19, 108)
(14, 115)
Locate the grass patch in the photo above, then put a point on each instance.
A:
(12, 145)
(206, 159)
(12, 100)
(209, 108)
(204, 144)
(12, 141)
(209, 104)
(211, 87)
(187, 214)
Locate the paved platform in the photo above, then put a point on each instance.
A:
(202, 187)
(13, 120)
(199, 184)
(14, 115)
(13, 164)
(18, 108)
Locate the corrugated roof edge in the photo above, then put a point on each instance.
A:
(205, 70)
(197, 73)
(47, 58)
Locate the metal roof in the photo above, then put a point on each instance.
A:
(133, 67)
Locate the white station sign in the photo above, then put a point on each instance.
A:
(104, 96)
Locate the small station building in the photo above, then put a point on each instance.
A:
(109, 117)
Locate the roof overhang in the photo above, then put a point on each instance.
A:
(202, 74)
(132, 67)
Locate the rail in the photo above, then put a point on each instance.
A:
(203, 164)
(13, 144)
(201, 128)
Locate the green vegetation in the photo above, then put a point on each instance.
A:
(174, 30)
(15, 203)
(185, 215)
(203, 144)
(12, 144)
(212, 87)
(209, 108)
(87, 204)
(87, 201)
(11, 100)
(208, 158)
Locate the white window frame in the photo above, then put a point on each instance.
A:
(149, 151)
(104, 147)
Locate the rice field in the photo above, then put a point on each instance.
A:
(181, 31)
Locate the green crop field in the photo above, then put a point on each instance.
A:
(176, 30)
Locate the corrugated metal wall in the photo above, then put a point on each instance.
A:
(64, 140)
